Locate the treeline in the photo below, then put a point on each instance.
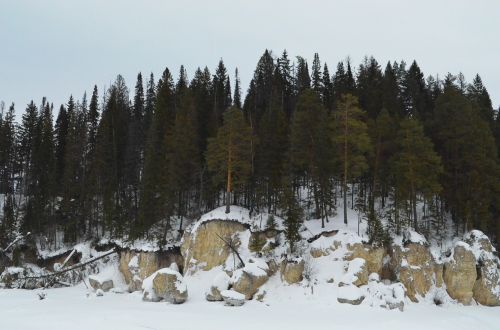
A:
(387, 142)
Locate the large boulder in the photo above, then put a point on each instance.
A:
(414, 266)
(460, 274)
(165, 284)
(292, 270)
(249, 279)
(486, 289)
(357, 273)
(204, 248)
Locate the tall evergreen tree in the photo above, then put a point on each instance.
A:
(229, 154)
(416, 166)
(352, 142)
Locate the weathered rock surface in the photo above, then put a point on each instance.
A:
(204, 248)
(486, 289)
(460, 274)
(97, 283)
(374, 256)
(249, 279)
(233, 298)
(165, 284)
(262, 241)
(292, 270)
(137, 265)
(414, 266)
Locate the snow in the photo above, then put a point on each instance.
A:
(221, 281)
(232, 295)
(354, 268)
(350, 292)
(240, 214)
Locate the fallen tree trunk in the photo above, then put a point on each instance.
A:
(80, 265)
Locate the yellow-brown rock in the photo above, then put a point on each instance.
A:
(460, 274)
(204, 248)
(374, 256)
(292, 271)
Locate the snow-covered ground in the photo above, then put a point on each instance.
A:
(71, 308)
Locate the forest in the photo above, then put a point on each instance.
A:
(405, 149)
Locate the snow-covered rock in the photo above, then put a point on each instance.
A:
(165, 284)
(390, 296)
(414, 266)
(292, 270)
(486, 289)
(98, 284)
(460, 274)
(357, 273)
(233, 298)
(350, 294)
(221, 282)
(249, 279)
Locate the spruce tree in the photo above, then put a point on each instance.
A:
(416, 166)
(310, 152)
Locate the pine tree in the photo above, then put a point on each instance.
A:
(229, 154)
(466, 144)
(352, 142)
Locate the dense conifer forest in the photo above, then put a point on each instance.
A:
(406, 150)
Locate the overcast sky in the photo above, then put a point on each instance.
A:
(55, 48)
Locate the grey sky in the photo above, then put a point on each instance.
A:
(55, 48)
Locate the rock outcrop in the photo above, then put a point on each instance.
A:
(486, 289)
(165, 284)
(460, 274)
(292, 270)
(204, 247)
(374, 256)
(414, 266)
(138, 265)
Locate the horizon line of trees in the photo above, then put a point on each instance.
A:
(388, 142)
